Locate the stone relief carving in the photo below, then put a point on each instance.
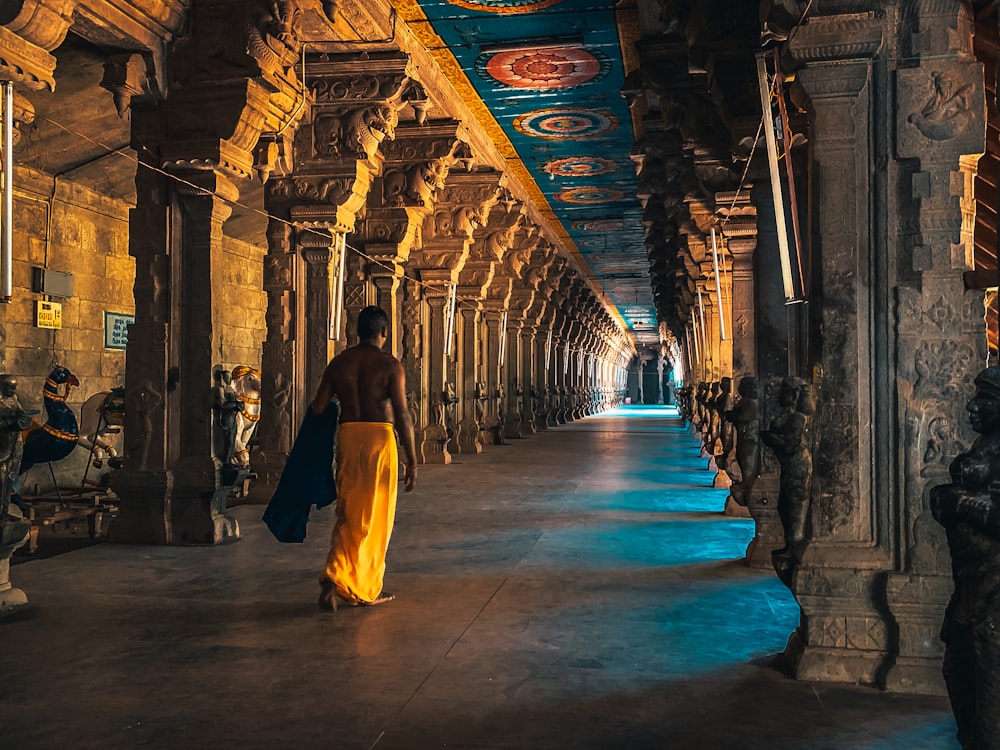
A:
(355, 133)
(948, 111)
(415, 184)
(331, 190)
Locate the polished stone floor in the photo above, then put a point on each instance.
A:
(578, 589)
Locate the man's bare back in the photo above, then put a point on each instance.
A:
(371, 387)
(360, 378)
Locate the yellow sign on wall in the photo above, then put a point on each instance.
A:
(48, 314)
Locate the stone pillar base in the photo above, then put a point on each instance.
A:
(13, 534)
(735, 510)
(512, 426)
(844, 634)
(835, 664)
(763, 508)
(468, 437)
(163, 508)
(917, 603)
(433, 446)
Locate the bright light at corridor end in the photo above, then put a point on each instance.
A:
(643, 411)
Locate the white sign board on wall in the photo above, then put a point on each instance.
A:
(116, 329)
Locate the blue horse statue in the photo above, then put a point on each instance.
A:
(55, 439)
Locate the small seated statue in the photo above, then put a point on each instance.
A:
(969, 510)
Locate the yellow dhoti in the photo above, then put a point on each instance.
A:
(367, 477)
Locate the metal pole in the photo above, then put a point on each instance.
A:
(718, 287)
(339, 291)
(7, 203)
(704, 329)
(779, 203)
(449, 323)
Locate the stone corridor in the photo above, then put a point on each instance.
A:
(578, 589)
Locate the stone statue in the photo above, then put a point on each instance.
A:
(788, 437)
(13, 419)
(14, 527)
(246, 383)
(449, 399)
(700, 415)
(746, 417)
(498, 428)
(225, 404)
(727, 428)
(712, 441)
(969, 510)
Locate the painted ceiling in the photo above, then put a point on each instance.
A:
(550, 73)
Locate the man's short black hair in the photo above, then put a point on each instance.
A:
(371, 321)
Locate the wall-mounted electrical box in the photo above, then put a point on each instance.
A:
(52, 283)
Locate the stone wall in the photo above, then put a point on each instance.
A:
(87, 235)
(244, 303)
(68, 228)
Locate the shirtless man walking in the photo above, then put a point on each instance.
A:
(371, 388)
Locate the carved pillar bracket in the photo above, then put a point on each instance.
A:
(26, 41)
(232, 79)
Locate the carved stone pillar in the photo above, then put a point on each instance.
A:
(464, 206)
(939, 338)
(485, 262)
(899, 335)
(206, 133)
(528, 377)
(169, 489)
(740, 232)
(433, 438)
(470, 323)
(844, 635)
(543, 367)
(492, 424)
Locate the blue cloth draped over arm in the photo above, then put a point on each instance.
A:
(308, 477)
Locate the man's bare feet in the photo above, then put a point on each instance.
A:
(329, 599)
(382, 598)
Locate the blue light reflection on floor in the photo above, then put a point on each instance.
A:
(937, 733)
(672, 500)
(714, 628)
(664, 544)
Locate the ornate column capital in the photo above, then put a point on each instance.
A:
(848, 36)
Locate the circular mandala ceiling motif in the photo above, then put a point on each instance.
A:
(580, 166)
(543, 68)
(554, 123)
(598, 225)
(589, 195)
(505, 6)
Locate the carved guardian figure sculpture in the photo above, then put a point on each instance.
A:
(788, 437)
(969, 510)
